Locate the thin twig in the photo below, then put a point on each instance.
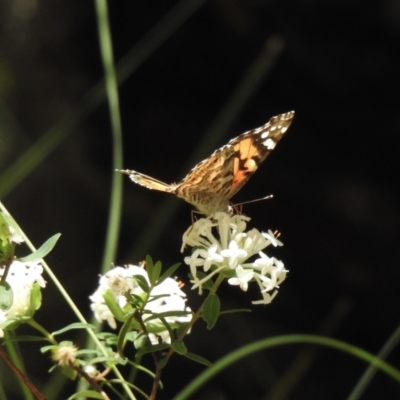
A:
(34, 390)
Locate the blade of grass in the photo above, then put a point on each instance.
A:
(247, 350)
(114, 216)
(370, 372)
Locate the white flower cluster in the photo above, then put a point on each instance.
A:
(21, 277)
(229, 254)
(165, 297)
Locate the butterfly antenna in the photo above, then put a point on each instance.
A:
(253, 201)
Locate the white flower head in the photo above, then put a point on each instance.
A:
(65, 354)
(222, 246)
(22, 277)
(167, 296)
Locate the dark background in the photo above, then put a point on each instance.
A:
(334, 176)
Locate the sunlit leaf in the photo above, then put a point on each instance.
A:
(43, 250)
(75, 325)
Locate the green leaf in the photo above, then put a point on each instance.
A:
(75, 325)
(109, 360)
(109, 338)
(114, 307)
(156, 272)
(13, 323)
(169, 272)
(91, 352)
(149, 262)
(4, 229)
(179, 347)
(211, 308)
(6, 296)
(139, 340)
(142, 282)
(199, 359)
(236, 310)
(26, 338)
(36, 299)
(167, 314)
(49, 347)
(153, 270)
(163, 362)
(152, 349)
(122, 333)
(86, 394)
(43, 250)
(182, 329)
(69, 372)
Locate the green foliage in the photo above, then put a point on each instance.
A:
(153, 270)
(179, 347)
(122, 334)
(4, 229)
(35, 300)
(198, 359)
(6, 296)
(211, 310)
(13, 323)
(114, 307)
(109, 338)
(86, 394)
(75, 325)
(152, 348)
(168, 273)
(43, 250)
(207, 285)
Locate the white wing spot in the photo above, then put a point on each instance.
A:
(269, 144)
(264, 134)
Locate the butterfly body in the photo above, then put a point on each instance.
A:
(212, 182)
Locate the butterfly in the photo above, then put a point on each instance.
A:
(213, 181)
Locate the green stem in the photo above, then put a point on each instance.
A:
(49, 337)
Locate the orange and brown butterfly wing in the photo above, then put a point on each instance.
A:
(212, 182)
(253, 147)
(208, 184)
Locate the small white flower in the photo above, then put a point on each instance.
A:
(224, 247)
(234, 254)
(212, 257)
(198, 234)
(243, 277)
(121, 282)
(271, 237)
(165, 297)
(91, 370)
(267, 298)
(21, 277)
(263, 264)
